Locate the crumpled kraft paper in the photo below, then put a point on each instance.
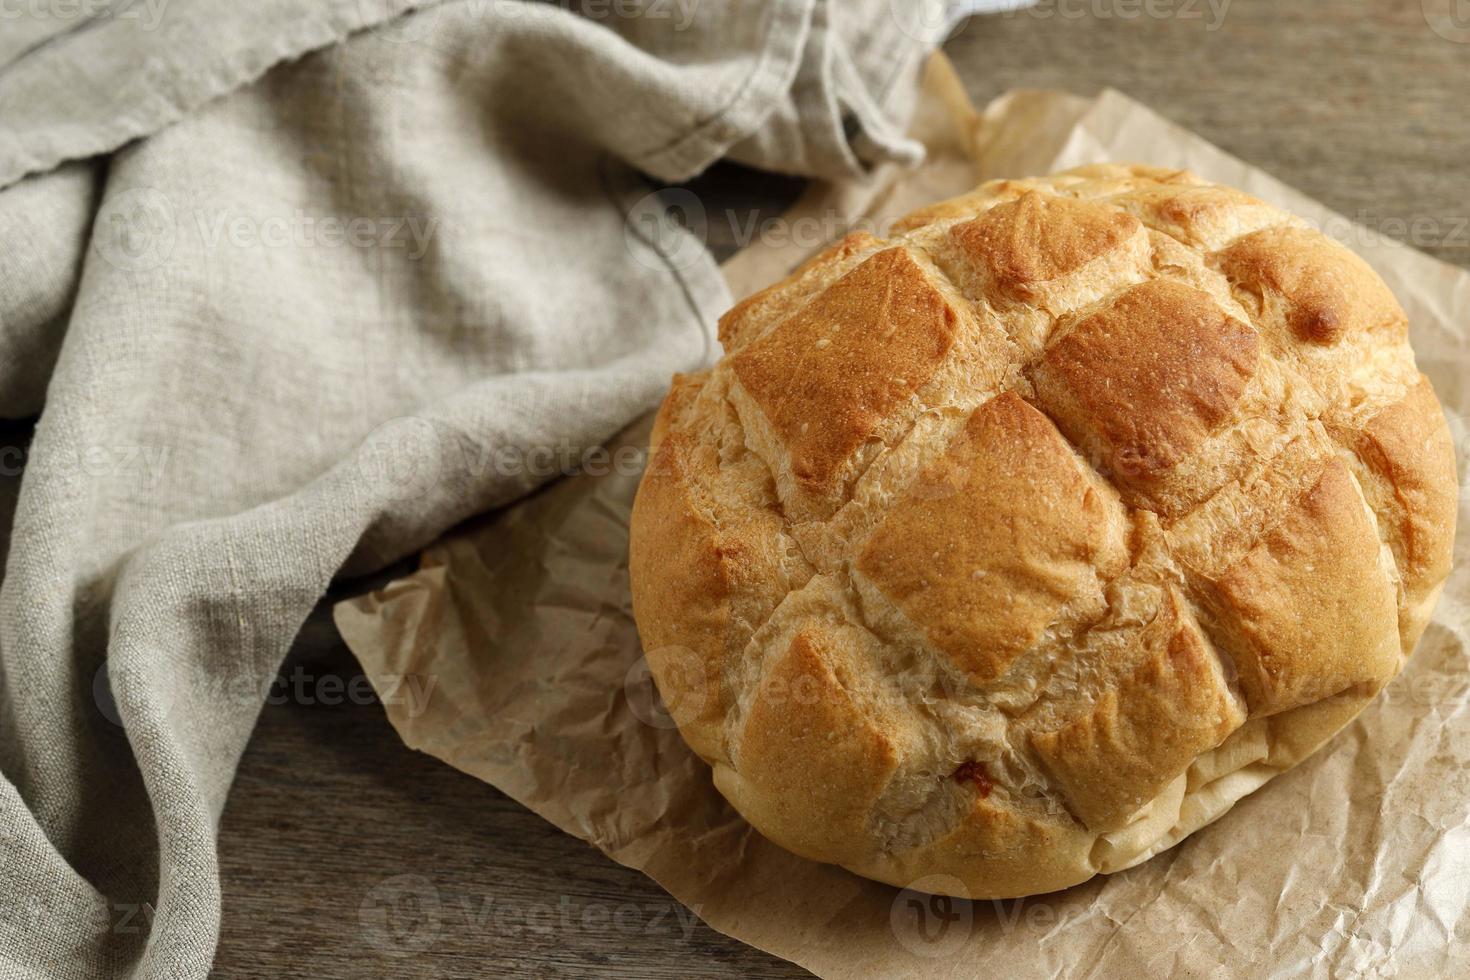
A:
(521, 631)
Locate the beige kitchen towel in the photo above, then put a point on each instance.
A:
(305, 326)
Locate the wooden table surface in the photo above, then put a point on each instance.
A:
(1359, 104)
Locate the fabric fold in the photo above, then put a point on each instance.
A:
(83, 79)
(47, 222)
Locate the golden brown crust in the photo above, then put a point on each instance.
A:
(831, 372)
(1143, 733)
(1007, 517)
(1322, 291)
(748, 318)
(814, 757)
(1019, 545)
(964, 206)
(1204, 215)
(1408, 448)
(683, 614)
(1324, 558)
(1041, 237)
(706, 567)
(1153, 373)
(994, 850)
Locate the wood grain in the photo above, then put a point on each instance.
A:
(333, 822)
(1357, 104)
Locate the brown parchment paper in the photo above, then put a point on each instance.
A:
(1356, 863)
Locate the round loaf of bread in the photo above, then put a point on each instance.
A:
(1015, 547)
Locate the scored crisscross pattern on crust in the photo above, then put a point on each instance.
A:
(1020, 544)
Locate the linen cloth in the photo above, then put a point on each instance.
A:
(304, 318)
